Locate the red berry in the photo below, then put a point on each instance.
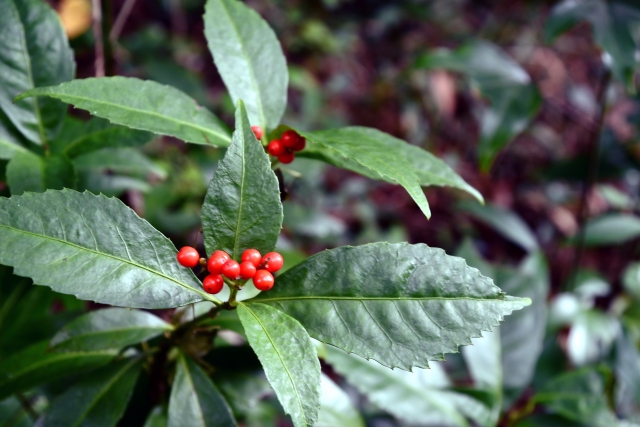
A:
(247, 270)
(290, 138)
(217, 260)
(257, 131)
(263, 280)
(252, 256)
(272, 262)
(286, 157)
(188, 257)
(212, 284)
(300, 144)
(275, 148)
(231, 269)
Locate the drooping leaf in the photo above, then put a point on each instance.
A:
(29, 172)
(242, 208)
(8, 147)
(140, 104)
(611, 229)
(110, 328)
(430, 170)
(195, 401)
(127, 161)
(249, 59)
(514, 100)
(399, 304)
(336, 408)
(369, 148)
(35, 365)
(34, 51)
(95, 248)
(97, 400)
(289, 359)
(157, 418)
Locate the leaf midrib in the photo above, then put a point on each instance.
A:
(312, 297)
(236, 240)
(295, 388)
(41, 236)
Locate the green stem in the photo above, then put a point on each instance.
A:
(232, 297)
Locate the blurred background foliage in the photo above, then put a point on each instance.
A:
(533, 103)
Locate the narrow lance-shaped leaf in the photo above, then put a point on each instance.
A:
(368, 148)
(195, 401)
(289, 359)
(242, 208)
(399, 304)
(98, 400)
(35, 365)
(29, 172)
(110, 328)
(140, 104)
(249, 59)
(95, 248)
(34, 51)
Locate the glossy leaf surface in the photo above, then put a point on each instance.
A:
(242, 208)
(195, 401)
(367, 147)
(95, 248)
(249, 59)
(399, 304)
(289, 359)
(98, 399)
(29, 172)
(140, 104)
(34, 51)
(109, 328)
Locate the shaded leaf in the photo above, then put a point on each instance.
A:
(368, 148)
(249, 59)
(611, 229)
(95, 248)
(195, 401)
(109, 328)
(126, 161)
(34, 365)
(414, 306)
(140, 104)
(631, 279)
(98, 400)
(157, 418)
(242, 208)
(9, 148)
(288, 357)
(336, 408)
(29, 172)
(34, 51)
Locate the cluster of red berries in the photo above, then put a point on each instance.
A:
(285, 147)
(253, 266)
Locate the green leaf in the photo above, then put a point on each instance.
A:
(399, 304)
(336, 408)
(29, 172)
(77, 137)
(34, 51)
(157, 418)
(140, 104)
(95, 248)
(369, 148)
(591, 336)
(289, 359)
(242, 208)
(127, 161)
(110, 328)
(430, 170)
(98, 400)
(195, 401)
(35, 365)
(9, 148)
(631, 279)
(611, 229)
(505, 222)
(249, 59)
(12, 414)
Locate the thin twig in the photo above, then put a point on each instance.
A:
(121, 19)
(96, 7)
(26, 405)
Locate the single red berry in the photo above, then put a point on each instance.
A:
(231, 269)
(275, 148)
(247, 270)
(263, 280)
(213, 283)
(188, 257)
(217, 260)
(257, 131)
(300, 144)
(286, 157)
(252, 256)
(272, 262)
(290, 138)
